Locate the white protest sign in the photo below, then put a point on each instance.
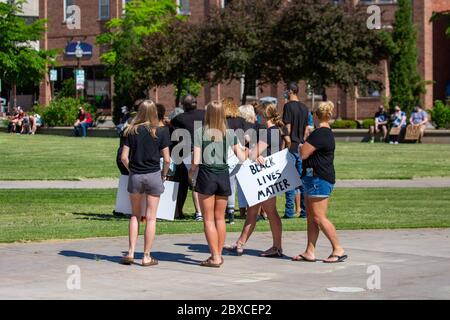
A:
(167, 203)
(262, 182)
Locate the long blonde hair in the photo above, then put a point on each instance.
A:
(215, 119)
(231, 108)
(147, 116)
(270, 112)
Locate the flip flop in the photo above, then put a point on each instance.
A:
(303, 259)
(127, 261)
(272, 253)
(340, 259)
(153, 262)
(209, 264)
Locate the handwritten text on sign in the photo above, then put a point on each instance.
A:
(261, 182)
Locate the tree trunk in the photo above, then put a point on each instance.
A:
(14, 95)
(245, 91)
(179, 89)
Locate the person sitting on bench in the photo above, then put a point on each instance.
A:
(419, 118)
(381, 124)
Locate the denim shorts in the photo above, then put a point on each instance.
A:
(315, 187)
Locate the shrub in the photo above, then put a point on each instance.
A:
(62, 112)
(441, 115)
(345, 124)
(367, 123)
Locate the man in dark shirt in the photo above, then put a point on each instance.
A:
(381, 120)
(295, 117)
(187, 121)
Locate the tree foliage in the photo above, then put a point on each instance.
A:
(20, 63)
(406, 83)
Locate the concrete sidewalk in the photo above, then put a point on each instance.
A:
(113, 183)
(412, 264)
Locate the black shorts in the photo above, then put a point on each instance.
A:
(213, 183)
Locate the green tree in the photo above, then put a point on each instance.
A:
(326, 45)
(239, 38)
(20, 63)
(124, 37)
(406, 83)
(171, 58)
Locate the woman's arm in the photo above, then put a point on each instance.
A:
(196, 160)
(125, 157)
(240, 152)
(306, 150)
(166, 162)
(257, 151)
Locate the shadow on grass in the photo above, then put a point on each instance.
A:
(161, 256)
(100, 216)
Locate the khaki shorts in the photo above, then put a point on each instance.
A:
(149, 184)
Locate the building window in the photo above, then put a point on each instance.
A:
(318, 92)
(224, 3)
(370, 90)
(124, 5)
(252, 91)
(67, 3)
(184, 7)
(103, 9)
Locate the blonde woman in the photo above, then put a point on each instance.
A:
(144, 144)
(268, 144)
(211, 146)
(318, 179)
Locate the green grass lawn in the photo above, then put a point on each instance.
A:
(30, 215)
(63, 158)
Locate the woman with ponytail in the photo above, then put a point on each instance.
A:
(318, 179)
(144, 144)
(275, 139)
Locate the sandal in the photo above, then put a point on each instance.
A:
(237, 248)
(340, 259)
(153, 262)
(272, 253)
(209, 264)
(127, 261)
(302, 258)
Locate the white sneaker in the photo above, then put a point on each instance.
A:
(198, 217)
(391, 142)
(396, 143)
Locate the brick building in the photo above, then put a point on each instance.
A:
(433, 47)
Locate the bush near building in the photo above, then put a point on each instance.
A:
(345, 124)
(441, 115)
(63, 112)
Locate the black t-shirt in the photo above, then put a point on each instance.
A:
(295, 113)
(275, 145)
(186, 121)
(322, 160)
(145, 151)
(382, 116)
(238, 124)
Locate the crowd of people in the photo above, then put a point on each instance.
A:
(393, 127)
(147, 155)
(20, 122)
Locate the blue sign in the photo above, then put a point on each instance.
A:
(72, 47)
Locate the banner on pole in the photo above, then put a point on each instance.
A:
(167, 203)
(262, 182)
(80, 79)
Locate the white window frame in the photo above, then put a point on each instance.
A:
(65, 10)
(255, 97)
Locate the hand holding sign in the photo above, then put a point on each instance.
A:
(260, 182)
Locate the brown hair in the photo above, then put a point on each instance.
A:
(147, 116)
(324, 111)
(231, 108)
(215, 117)
(270, 112)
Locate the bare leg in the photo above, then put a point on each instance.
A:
(298, 208)
(219, 208)
(320, 207)
(150, 228)
(385, 133)
(275, 221)
(207, 205)
(313, 233)
(250, 224)
(196, 202)
(134, 223)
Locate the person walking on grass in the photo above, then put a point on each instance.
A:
(318, 179)
(275, 140)
(143, 145)
(211, 145)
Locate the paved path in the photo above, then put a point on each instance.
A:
(412, 264)
(112, 183)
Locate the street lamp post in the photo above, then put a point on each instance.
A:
(78, 54)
